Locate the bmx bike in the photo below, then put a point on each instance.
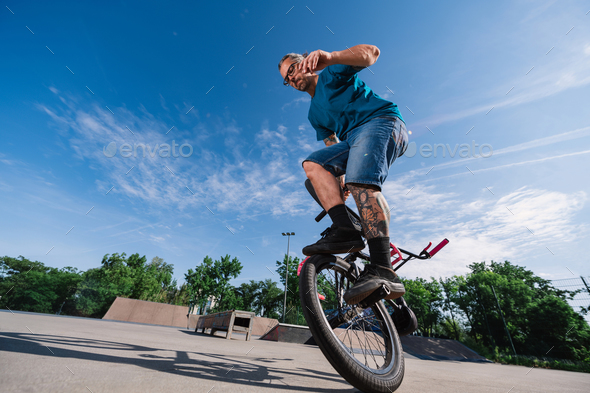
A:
(361, 341)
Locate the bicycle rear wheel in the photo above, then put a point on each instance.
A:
(362, 344)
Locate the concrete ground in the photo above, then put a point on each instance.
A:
(44, 353)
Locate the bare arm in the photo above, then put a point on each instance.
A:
(357, 56)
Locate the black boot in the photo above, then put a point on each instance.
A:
(372, 278)
(336, 240)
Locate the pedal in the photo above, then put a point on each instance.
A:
(378, 294)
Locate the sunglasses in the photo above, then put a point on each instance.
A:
(290, 72)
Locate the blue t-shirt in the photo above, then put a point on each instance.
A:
(342, 102)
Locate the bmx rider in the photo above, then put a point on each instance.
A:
(364, 134)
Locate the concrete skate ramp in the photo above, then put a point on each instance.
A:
(283, 332)
(141, 311)
(427, 348)
(262, 325)
(424, 348)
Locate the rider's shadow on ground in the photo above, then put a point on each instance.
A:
(238, 369)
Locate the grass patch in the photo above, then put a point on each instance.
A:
(532, 361)
(523, 360)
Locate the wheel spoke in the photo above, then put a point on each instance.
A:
(365, 334)
(358, 341)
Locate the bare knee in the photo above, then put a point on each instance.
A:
(311, 168)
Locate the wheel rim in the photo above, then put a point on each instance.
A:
(363, 333)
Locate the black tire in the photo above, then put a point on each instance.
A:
(329, 275)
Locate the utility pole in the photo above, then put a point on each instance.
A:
(503, 321)
(485, 317)
(585, 284)
(288, 234)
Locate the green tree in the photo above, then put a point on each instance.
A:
(32, 286)
(269, 299)
(248, 293)
(293, 300)
(230, 300)
(211, 279)
(200, 283)
(556, 330)
(95, 294)
(160, 285)
(450, 290)
(226, 269)
(177, 295)
(537, 315)
(425, 299)
(130, 277)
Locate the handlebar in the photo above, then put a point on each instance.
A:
(439, 247)
(423, 255)
(394, 251)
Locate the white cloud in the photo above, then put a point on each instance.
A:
(550, 140)
(532, 161)
(559, 73)
(157, 239)
(268, 180)
(481, 229)
(163, 103)
(491, 168)
(537, 11)
(535, 143)
(296, 102)
(221, 176)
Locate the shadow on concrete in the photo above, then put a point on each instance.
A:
(231, 369)
(325, 375)
(218, 334)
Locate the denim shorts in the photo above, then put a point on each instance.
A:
(367, 152)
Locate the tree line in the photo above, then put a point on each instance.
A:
(501, 306)
(31, 286)
(496, 306)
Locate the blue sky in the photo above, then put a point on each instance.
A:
(77, 77)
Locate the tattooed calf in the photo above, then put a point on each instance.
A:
(373, 210)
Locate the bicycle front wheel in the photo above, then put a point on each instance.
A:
(362, 344)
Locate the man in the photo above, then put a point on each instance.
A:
(364, 134)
